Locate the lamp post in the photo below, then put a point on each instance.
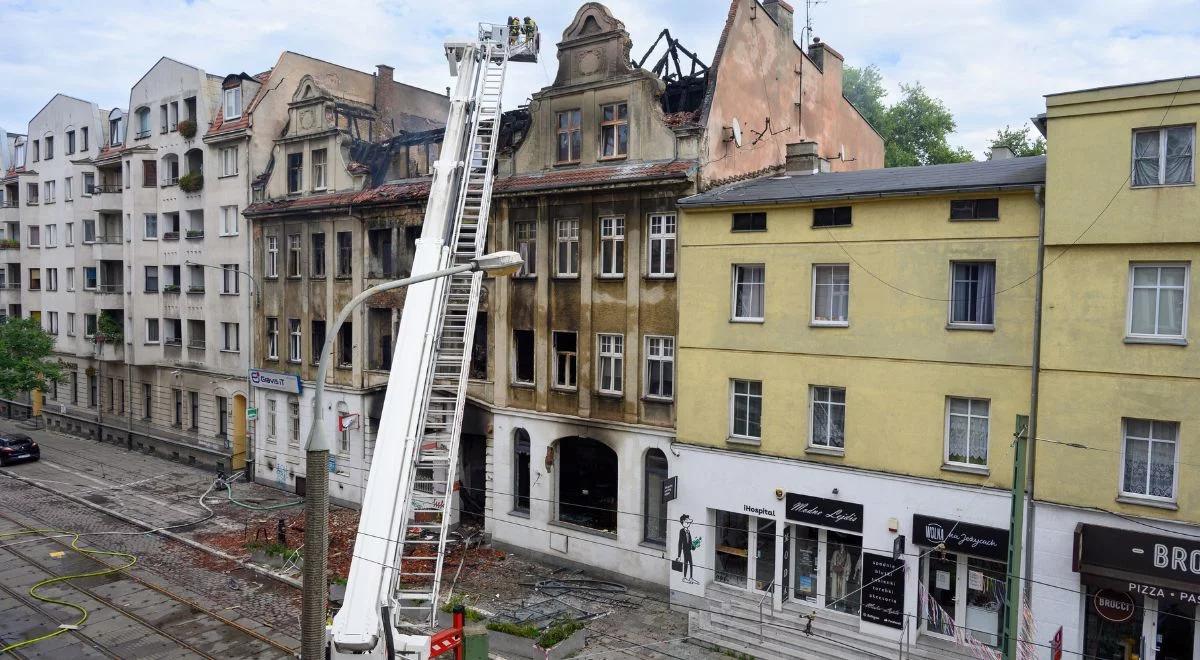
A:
(316, 494)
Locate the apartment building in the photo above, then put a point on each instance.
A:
(854, 348)
(338, 210)
(12, 158)
(1116, 542)
(572, 424)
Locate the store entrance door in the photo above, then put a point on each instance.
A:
(1176, 631)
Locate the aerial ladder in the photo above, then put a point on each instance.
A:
(391, 601)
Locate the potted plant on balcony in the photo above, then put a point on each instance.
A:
(187, 128)
(9, 244)
(108, 329)
(170, 288)
(191, 182)
(195, 233)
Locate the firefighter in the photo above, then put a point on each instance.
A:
(530, 30)
(514, 30)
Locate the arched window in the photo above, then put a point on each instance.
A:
(587, 484)
(654, 505)
(143, 123)
(521, 470)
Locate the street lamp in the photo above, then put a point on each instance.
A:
(318, 446)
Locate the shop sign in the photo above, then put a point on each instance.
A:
(1168, 558)
(1113, 605)
(670, 488)
(270, 380)
(883, 590)
(819, 511)
(787, 562)
(1142, 589)
(978, 540)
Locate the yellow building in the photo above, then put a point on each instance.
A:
(853, 351)
(1118, 458)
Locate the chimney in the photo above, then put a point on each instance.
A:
(383, 75)
(802, 158)
(1001, 153)
(782, 12)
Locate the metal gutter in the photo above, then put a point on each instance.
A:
(915, 192)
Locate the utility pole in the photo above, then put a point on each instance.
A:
(1016, 530)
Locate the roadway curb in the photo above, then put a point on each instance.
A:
(171, 535)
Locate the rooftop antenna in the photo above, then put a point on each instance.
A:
(807, 30)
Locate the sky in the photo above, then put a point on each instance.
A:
(990, 61)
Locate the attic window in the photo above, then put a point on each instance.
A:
(833, 216)
(749, 221)
(987, 208)
(233, 102)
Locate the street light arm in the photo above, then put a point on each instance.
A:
(254, 290)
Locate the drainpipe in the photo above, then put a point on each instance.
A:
(1039, 194)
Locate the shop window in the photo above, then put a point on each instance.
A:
(587, 484)
(521, 470)
(654, 529)
(733, 542)
(806, 559)
(843, 572)
(962, 594)
(764, 554)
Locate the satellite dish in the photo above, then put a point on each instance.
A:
(735, 132)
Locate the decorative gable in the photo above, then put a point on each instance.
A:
(594, 47)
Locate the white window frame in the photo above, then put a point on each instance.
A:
(664, 238)
(950, 297)
(566, 233)
(525, 241)
(1158, 287)
(828, 402)
(272, 420)
(150, 226)
(229, 161)
(736, 282)
(229, 220)
(232, 102)
(970, 415)
(614, 354)
(295, 254)
(272, 338)
(1162, 157)
(295, 341)
(733, 396)
(664, 356)
(319, 169)
(69, 234)
(155, 336)
(51, 235)
(272, 265)
(1124, 492)
(230, 330)
(294, 421)
(559, 380)
(612, 247)
(230, 286)
(52, 322)
(817, 268)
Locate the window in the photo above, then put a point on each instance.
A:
(272, 338)
(149, 173)
(229, 220)
(35, 279)
(612, 247)
(229, 337)
(967, 431)
(345, 356)
(662, 245)
(89, 184)
(178, 416)
(987, 208)
(151, 279)
(83, 139)
(222, 417)
(233, 103)
(317, 254)
(745, 414)
(654, 505)
(229, 161)
(523, 357)
(567, 257)
(318, 165)
(660, 367)
(294, 338)
(293, 255)
(194, 410)
(51, 236)
(732, 533)
(831, 294)
(525, 237)
(69, 234)
(345, 256)
(295, 172)
(152, 331)
(31, 194)
(68, 193)
(1161, 157)
(163, 116)
(749, 280)
(972, 292)
(272, 256)
(834, 216)
(70, 143)
(272, 422)
(229, 279)
(52, 279)
(52, 322)
(318, 340)
(173, 116)
(587, 483)
(293, 421)
(70, 324)
(611, 356)
(70, 279)
(828, 417)
(614, 130)
(48, 196)
(1158, 302)
(89, 231)
(37, 151)
(749, 222)
(521, 461)
(49, 147)
(1149, 458)
(565, 357)
(569, 136)
(89, 277)
(150, 226)
(147, 401)
(963, 589)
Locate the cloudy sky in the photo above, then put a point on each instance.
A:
(989, 60)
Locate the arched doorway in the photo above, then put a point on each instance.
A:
(238, 455)
(587, 483)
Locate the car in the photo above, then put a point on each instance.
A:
(17, 447)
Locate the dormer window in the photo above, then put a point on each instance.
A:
(233, 102)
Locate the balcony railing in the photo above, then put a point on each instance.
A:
(170, 236)
(100, 190)
(196, 343)
(170, 288)
(196, 288)
(110, 239)
(195, 233)
(10, 204)
(170, 181)
(141, 135)
(110, 288)
(172, 341)
(10, 285)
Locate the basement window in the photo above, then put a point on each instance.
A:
(987, 208)
(523, 357)
(833, 216)
(749, 221)
(587, 484)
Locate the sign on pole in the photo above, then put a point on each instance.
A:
(251, 413)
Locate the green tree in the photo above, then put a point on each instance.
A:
(1017, 140)
(914, 129)
(25, 362)
(863, 88)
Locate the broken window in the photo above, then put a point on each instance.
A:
(587, 484)
(293, 255)
(987, 208)
(345, 254)
(525, 239)
(654, 505)
(345, 357)
(614, 130)
(317, 253)
(318, 340)
(272, 338)
(379, 327)
(295, 172)
(750, 222)
(521, 470)
(565, 360)
(383, 258)
(834, 216)
(479, 347)
(570, 136)
(523, 357)
(612, 247)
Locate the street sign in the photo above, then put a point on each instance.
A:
(251, 413)
(332, 464)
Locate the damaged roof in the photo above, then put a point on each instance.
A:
(595, 176)
(1010, 173)
(395, 192)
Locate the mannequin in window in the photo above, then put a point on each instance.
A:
(839, 565)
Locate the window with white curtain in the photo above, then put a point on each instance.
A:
(827, 426)
(294, 340)
(1149, 458)
(233, 103)
(229, 337)
(612, 247)
(749, 282)
(1158, 301)
(525, 239)
(1164, 156)
(967, 431)
(229, 278)
(272, 266)
(831, 294)
(229, 220)
(611, 357)
(972, 293)
(745, 409)
(272, 338)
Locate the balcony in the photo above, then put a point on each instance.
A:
(172, 341)
(106, 190)
(193, 234)
(111, 288)
(106, 198)
(197, 344)
(110, 351)
(170, 236)
(170, 288)
(10, 244)
(195, 288)
(10, 204)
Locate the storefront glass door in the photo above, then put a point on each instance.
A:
(941, 583)
(733, 539)
(1112, 627)
(764, 565)
(806, 558)
(1175, 639)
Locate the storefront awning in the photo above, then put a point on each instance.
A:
(1154, 565)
